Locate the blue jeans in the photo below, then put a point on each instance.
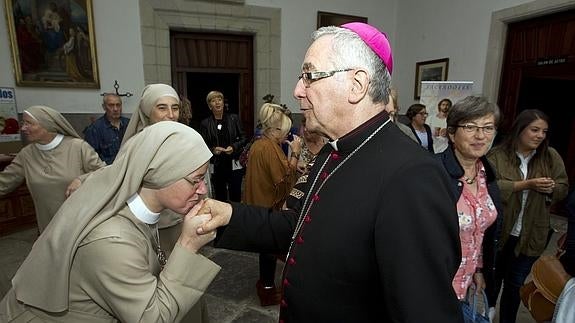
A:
(511, 271)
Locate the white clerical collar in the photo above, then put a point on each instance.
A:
(141, 211)
(334, 144)
(52, 144)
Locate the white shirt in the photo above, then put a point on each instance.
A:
(422, 135)
(523, 168)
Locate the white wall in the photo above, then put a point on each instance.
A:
(299, 20)
(119, 50)
(419, 30)
(432, 29)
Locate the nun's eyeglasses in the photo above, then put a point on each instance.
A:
(195, 182)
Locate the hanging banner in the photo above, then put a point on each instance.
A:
(9, 126)
(438, 97)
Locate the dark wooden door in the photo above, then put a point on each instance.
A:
(539, 72)
(202, 62)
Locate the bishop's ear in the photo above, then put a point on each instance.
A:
(359, 86)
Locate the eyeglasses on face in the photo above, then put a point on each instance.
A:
(471, 128)
(308, 77)
(195, 182)
(423, 113)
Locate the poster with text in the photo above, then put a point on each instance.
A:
(9, 126)
(438, 97)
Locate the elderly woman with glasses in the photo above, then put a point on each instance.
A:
(55, 156)
(471, 125)
(417, 115)
(270, 177)
(99, 259)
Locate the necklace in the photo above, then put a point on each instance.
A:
(470, 180)
(161, 254)
(307, 204)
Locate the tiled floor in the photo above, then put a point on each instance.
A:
(231, 297)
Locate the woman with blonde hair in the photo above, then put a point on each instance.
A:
(224, 134)
(55, 156)
(269, 179)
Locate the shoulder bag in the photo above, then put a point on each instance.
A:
(540, 295)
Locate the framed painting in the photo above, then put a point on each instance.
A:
(434, 70)
(53, 43)
(336, 19)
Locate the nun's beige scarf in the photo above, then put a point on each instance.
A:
(141, 118)
(51, 120)
(149, 160)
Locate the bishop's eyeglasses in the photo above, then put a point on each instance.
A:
(308, 77)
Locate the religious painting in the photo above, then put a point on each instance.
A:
(335, 19)
(53, 43)
(434, 70)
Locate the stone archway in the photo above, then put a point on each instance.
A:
(158, 17)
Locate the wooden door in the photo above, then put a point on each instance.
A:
(538, 71)
(209, 61)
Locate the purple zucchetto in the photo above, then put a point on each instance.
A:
(375, 39)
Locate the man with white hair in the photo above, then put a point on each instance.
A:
(372, 235)
(107, 132)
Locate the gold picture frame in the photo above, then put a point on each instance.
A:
(335, 19)
(53, 43)
(434, 70)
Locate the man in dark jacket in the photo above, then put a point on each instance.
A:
(373, 236)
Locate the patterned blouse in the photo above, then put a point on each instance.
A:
(476, 214)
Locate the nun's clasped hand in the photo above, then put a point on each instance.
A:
(190, 237)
